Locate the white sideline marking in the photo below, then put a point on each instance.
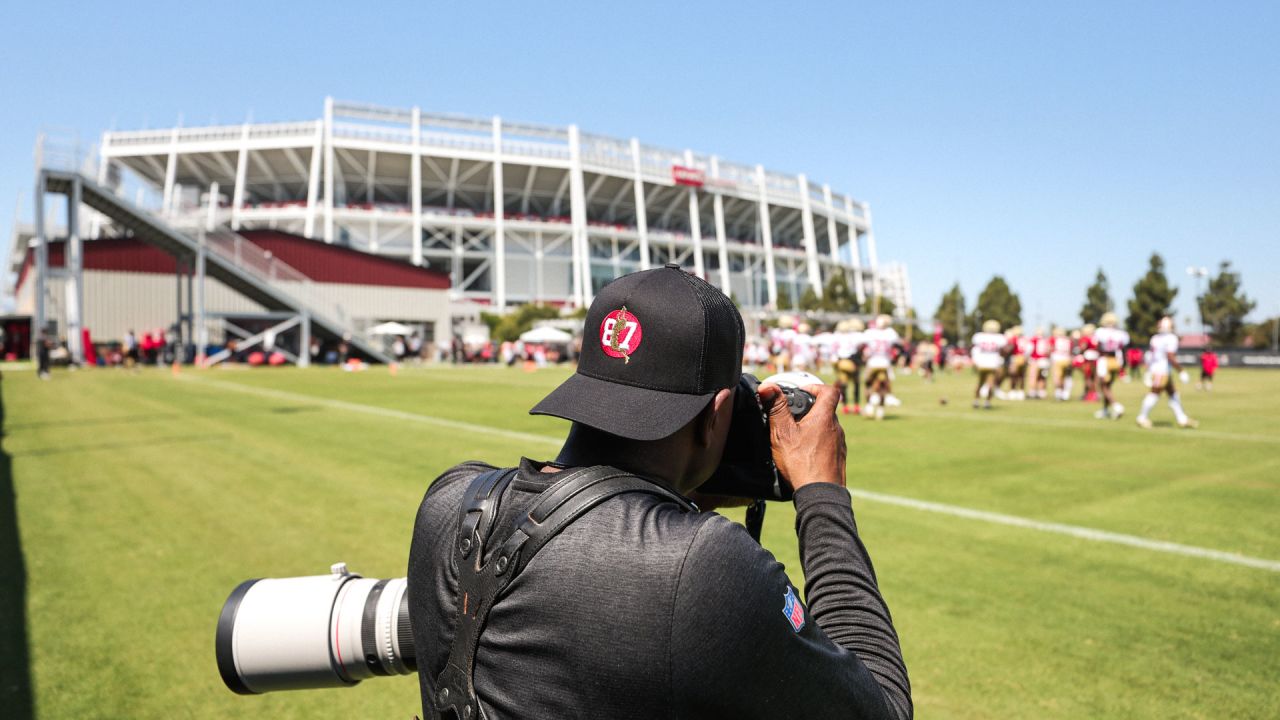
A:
(379, 411)
(1108, 425)
(1076, 531)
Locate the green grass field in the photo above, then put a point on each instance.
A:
(141, 500)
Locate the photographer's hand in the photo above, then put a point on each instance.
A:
(812, 450)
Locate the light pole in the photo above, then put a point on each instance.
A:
(1200, 273)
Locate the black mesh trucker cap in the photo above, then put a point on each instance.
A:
(657, 346)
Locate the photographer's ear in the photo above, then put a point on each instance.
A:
(715, 419)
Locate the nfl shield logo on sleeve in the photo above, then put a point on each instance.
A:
(792, 608)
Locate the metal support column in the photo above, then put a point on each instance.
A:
(810, 236)
(170, 173)
(211, 211)
(242, 164)
(313, 182)
(201, 333)
(766, 235)
(833, 236)
(871, 255)
(42, 267)
(855, 254)
(642, 212)
(695, 223)
(499, 270)
(304, 340)
(578, 222)
(415, 190)
(74, 262)
(722, 248)
(329, 161)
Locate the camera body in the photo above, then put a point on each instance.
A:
(747, 468)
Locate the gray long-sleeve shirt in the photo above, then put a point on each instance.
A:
(640, 609)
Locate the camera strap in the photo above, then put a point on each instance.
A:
(480, 583)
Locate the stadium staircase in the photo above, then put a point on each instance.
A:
(230, 258)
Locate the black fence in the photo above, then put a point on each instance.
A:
(1234, 358)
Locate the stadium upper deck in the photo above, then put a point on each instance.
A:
(577, 209)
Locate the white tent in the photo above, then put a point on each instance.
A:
(546, 335)
(390, 328)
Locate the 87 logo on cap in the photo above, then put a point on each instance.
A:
(620, 334)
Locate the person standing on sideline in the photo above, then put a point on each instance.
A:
(1164, 360)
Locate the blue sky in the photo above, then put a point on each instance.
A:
(1034, 140)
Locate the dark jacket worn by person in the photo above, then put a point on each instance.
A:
(642, 609)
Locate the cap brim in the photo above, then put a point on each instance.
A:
(623, 410)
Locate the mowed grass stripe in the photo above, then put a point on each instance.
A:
(1124, 424)
(1076, 531)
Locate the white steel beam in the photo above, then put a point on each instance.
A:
(329, 162)
(871, 253)
(499, 284)
(833, 236)
(810, 236)
(855, 254)
(578, 217)
(766, 234)
(557, 201)
(265, 169)
(415, 189)
(74, 263)
(617, 198)
(451, 184)
(528, 189)
(722, 248)
(194, 168)
(291, 154)
(695, 223)
(242, 165)
(313, 182)
(642, 212)
(170, 173)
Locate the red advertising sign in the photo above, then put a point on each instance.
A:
(693, 177)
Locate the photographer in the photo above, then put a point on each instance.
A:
(643, 607)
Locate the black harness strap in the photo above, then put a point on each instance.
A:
(480, 583)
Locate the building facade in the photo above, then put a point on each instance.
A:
(511, 212)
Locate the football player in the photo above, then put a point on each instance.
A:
(1111, 343)
(1161, 363)
(988, 348)
(1060, 363)
(880, 342)
(848, 349)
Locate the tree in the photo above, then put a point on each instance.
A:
(886, 305)
(1264, 334)
(784, 296)
(509, 327)
(809, 299)
(998, 302)
(1152, 300)
(1097, 300)
(1224, 306)
(951, 315)
(836, 296)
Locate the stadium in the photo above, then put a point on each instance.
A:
(500, 213)
(239, 354)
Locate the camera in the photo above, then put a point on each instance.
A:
(338, 629)
(747, 469)
(313, 632)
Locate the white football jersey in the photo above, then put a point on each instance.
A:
(1111, 340)
(986, 350)
(1163, 347)
(848, 344)
(880, 342)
